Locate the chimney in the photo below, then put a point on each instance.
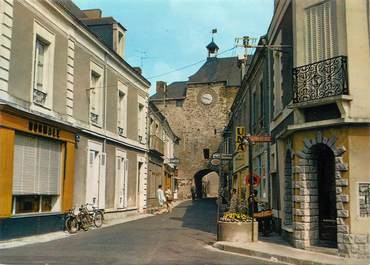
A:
(160, 85)
(138, 70)
(92, 13)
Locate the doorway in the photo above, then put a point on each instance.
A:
(326, 195)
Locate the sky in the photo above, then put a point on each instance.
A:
(165, 35)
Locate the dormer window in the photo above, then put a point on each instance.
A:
(121, 44)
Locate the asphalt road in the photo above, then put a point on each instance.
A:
(183, 237)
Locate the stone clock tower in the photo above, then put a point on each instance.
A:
(197, 111)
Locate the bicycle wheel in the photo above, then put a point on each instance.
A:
(71, 224)
(98, 219)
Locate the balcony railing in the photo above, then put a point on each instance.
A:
(157, 144)
(39, 97)
(94, 118)
(320, 80)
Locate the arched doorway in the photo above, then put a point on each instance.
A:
(288, 189)
(207, 183)
(327, 209)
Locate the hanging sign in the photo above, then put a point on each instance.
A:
(239, 139)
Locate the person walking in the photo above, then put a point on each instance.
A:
(233, 202)
(161, 197)
(192, 190)
(168, 195)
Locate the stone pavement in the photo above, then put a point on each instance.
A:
(284, 253)
(17, 242)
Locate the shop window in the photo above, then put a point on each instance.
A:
(37, 174)
(364, 199)
(33, 203)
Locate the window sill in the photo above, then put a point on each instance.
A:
(22, 215)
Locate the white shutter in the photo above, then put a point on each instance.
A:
(320, 32)
(37, 165)
(25, 167)
(102, 171)
(125, 179)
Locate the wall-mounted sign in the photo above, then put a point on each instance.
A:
(175, 161)
(239, 139)
(260, 138)
(215, 162)
(216, 156)
(41, 128)
(226, 157)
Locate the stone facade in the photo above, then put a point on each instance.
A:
(196, 123)
(306, 200)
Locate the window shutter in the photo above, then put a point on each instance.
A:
(37, 165)
(125, 179)
(53, 153)
(102, 181)
(320, 32)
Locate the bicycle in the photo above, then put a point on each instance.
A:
(84, 219)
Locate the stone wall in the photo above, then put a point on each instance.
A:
(306, 212)
(195, 123)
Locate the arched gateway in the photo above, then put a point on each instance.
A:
(206, 183)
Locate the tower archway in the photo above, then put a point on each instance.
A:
(207, 183)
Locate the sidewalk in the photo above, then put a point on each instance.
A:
(17, 242)
(285, 253)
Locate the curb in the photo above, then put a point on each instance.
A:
(280, 258)
(42, 238)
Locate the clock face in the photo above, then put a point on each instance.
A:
(206, 98)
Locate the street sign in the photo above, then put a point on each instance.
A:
(216, 156)
(260, 138)
(226, 157)
(215, 162)
(175, 161)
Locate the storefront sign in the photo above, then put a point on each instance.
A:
(260, 138)
(216, 156)
(44, 129)
(215, 162)
(239, 139)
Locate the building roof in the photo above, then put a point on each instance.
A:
(78, 15)
(218, 70)
(212, 45)
(101, 21)
(175, 90)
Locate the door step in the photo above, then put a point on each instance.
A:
(324, 250)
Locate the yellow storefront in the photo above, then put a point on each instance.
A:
(36, 174)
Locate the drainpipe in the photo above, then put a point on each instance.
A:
(105, 99)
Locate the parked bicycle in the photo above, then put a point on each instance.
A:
(84, 219)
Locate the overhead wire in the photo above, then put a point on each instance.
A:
(170, 72)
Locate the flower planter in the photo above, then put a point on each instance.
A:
(236, 231)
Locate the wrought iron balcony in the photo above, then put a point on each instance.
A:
(156, 144)
(39, 97)
(120, 131)
(94, 118)
(320, 80)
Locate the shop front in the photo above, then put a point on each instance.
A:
(36, 175)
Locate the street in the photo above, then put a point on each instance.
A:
(183, 237)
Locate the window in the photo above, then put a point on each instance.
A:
(254, 113)
(95, 94)
(278, 91)
(364, 199)
(43, 65)
(320, 32)
(141, 120)
(37, 173)
(122, 109)
(121, 44)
